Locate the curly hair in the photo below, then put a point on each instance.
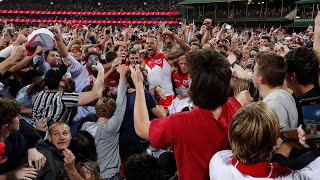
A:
(9, 109)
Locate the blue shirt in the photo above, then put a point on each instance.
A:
(127, 132)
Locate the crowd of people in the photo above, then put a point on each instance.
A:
(158, 102)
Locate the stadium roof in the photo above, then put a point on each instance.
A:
(307, 1)
(189, 2)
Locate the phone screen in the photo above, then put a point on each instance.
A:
(311, 119)
(94, 61)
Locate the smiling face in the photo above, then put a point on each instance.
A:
(53, 58)
(60, 136)
(122, 52)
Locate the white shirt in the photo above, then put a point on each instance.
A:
(284, 106)
(220, 168)
(159, 73)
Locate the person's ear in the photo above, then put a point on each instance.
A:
(292, 76)
(4, 126)
(261, 80)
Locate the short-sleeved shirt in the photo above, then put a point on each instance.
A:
(194, 137)
(54, 106)
(127, 131)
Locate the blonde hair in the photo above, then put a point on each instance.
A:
(242, 84)
(105, 107)
(253, 132)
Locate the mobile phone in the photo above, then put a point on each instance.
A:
(94, 61)
(135, 62)
(310, 108)
(228, 26)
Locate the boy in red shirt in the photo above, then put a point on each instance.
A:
(196, 135)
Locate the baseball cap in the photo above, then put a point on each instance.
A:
(91, 165)
(53, 76)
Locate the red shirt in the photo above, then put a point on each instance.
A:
(112, 82)
(194, 137)
(181, 83)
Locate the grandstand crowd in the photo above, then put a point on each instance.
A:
(157, 102)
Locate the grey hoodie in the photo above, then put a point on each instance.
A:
(106, 135)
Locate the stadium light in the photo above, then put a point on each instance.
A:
(99, 4)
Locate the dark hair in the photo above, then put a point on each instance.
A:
(47, 52)
(83, 146)
(116, 47)
(272, 67)
(238, 54)
(132, 51)
(304, 63)
(88, 118)
(110, 56)
(137, 43)
(129, 79)
(92, 53)
(210, 74)
(9, 110)
(266, 37)
(87, 88)
(143, 167)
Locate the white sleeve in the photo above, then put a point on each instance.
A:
(311, 171)
(6, 52)
(75, 67)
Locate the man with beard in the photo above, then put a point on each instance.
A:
(54, 103)
(158, 66)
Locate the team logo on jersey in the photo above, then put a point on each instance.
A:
(185, 82)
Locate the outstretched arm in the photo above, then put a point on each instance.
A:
(184, 47)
